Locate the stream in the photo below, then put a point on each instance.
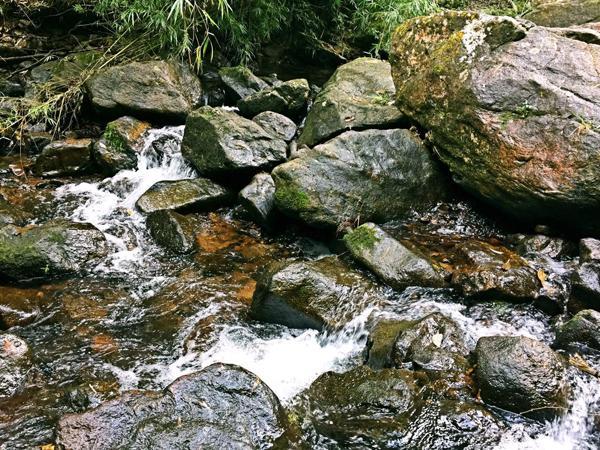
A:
(143, 318)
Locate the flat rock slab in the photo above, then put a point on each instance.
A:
(68, 157)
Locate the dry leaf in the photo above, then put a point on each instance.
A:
(542, 277)
(506, 265)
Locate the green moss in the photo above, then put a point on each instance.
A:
(113, 139)
(362, 237)
(382, 98)
(292, 198)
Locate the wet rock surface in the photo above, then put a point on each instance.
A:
(359, 95)
(222, 405)
(240, 82)
(14, 364)
(521, 375)
(70, 157)
(258, 198)
(277, 124)
(585, 287)
(288, 98)
(370, 175)
(172, 230)
(581, 331)
(219, 142)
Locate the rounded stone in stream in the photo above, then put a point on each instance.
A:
(581, 331)
(172, 231)
(240, 82)
(48, 250)
(522, 375)
(221, 407)
(288, 98)
(277, 124)
(585, 287)
(391, 260)
(312, 294)
(14, 364)
(218, 142)
(258, 199)
(359, 95)
(183, 196)
(60, 158)
(373, 175)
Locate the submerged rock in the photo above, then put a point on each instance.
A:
(116, 149)
(218, 142)
(240, 82)
(371, 175)
(277, 124)
(582, 330)
(172, 231)
(391, 260)
(312, 294)
(43, 251)
(522, 375)
(258, 199)
(183, 195)
(69, 157)
(166, 90)
(563, 13)
(359, 95)
(288, 98)
(491, 93)
(222, 406)
(18, 307)
(14, 364)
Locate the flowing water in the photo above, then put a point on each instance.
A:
(142, 318)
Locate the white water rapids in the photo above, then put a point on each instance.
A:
(287, 360)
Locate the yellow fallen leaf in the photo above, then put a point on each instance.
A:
(542, 276)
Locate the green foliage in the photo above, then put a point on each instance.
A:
(362, 237)
(290, 197)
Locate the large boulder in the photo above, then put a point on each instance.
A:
(69, 157)
(359, 95)
(166, 90)
(117, 148)
(218, 142)
(564, 13)
(14, 364)
(240, 82)
(183, 196)
(313, 294)
(511, 110)
(391, 260)
(582, 330)
(522, 375)
(288, 98)
(372, 175)
(43, 251)
(222, 406)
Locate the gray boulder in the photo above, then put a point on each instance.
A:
(43, 251)
(522, 375)
(288, 98)
(222, 406)
(511, 109)
(371, 175)
(172, 231)
(564, 13)
(582, 330)
(391, 260)
(68, 157)
(218, 142)
(359, 95)
(166, 90)
(240, 82)
(183, 196)
(277, 124)
(258, 199)
(313, 294)
(14, 364)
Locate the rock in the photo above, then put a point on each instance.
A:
(14, 364)
(9, 88)
(312, 294)
(380, 343)
(277, 124)
(218, 142)
(371, 175)
(522, 375)
(13, 215)
(116, 150)
(69, 157)
(583, 330)
(589, 250)
(288, 98)
(359, 95)
(172, 231)
(490, 92)
(488, 271)
(539, 244)
(563, 13)
(391, 260)
(240, 82)
(585, 287)
(53, 249)
(258, 199)
(222, 406)
(164, 90)
(183, 196)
